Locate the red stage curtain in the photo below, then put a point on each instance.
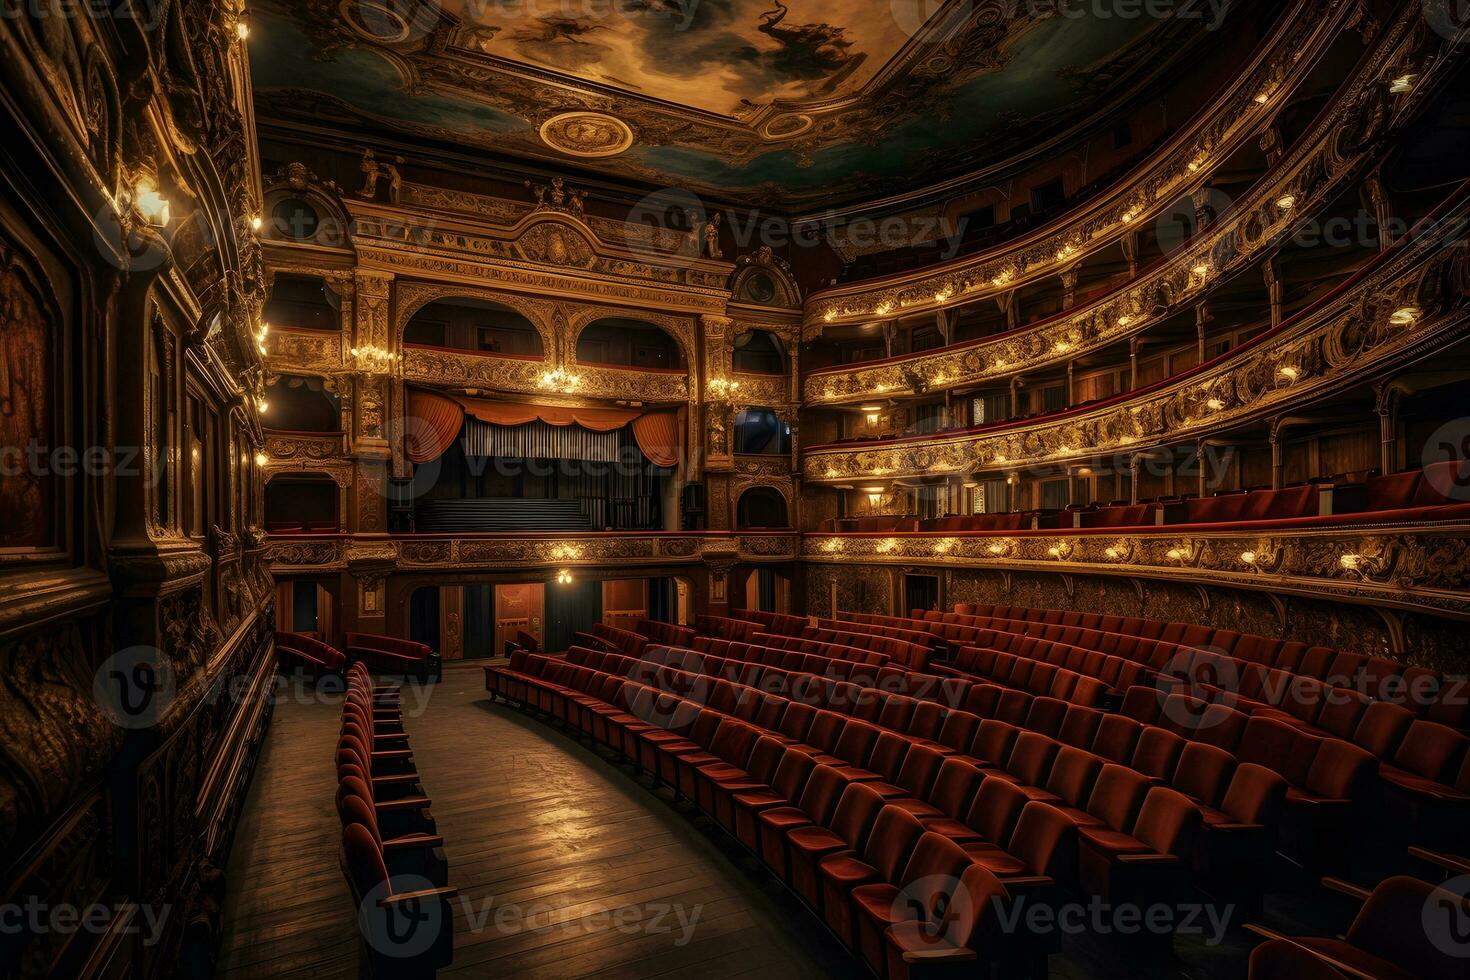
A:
(657, 435)
(433, 424)
(440, 419)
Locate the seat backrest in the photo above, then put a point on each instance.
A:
(1431, 750)
(1117, 796)
(1255, 795)
(1031, 759)
(1204, 772)
(1391, 926)
(1073, 774)
(996, 808)
(1168, 822)
(895, 834)
(857, 811)
(1157, 753)
(955, 787)
(1117, 737)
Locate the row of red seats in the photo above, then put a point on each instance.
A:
(780, 624)
(393, 655)
(702, 747)
(914, 656)
(1406, 928)
(826, 660)
(392, 855)
(922, 638)
(613, 638)
(1256, 668)
(298, 651)
(1044, 678)
(1424, 766)
(667, 633)
(1330, 781)
(819, 648)
(726, 627)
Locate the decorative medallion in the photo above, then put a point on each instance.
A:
(587, 134)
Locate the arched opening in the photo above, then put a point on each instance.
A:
(761, 431)
(616, 342)
(303, 303)
(301, 503)
(300, 404)
(759, 352)
(760, 588)
(761, 507)
(474, 325)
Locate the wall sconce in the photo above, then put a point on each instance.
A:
(560, 379)
(998, 548)
(1402, 84)
(875, 495)
(262, 460)
(1290, 373)
(374, 360)
(1248, 557)
(1214, 404)
(1201, 271)
(262, 406)
(1405, 316)
(151, 204)
(1177, 554)
(564, 577)
(255, 222)
(242, 30)
(1286, 203)
(722, 389)
(1113, 553)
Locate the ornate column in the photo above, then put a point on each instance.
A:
(1069, 286)
(719, 564)
(1200, 198)
(1010, 305)
(1387, 400)
(1377, 199)
(1278, 456)
(1129, 242)
(1135, 344)
(1274, 289)
(1201, 326)
(717, 411)
(1133, 468)
(373, 359)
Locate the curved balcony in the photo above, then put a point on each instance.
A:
(1389, 312)
(522, 374)
(1334, 150)
(1402, 565)
(1303, 33)
(296, 554)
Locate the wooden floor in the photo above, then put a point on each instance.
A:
(549, 844)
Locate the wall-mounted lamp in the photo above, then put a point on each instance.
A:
(261, 459)
(564, 577)
(151, 204)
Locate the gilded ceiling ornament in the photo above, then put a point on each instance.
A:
(587, 134)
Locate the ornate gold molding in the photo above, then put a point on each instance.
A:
(1231, 122)
(1337, 148)
(1342, 343)
(1412, 567)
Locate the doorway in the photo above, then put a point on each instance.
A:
(519, 609)
(920, 592)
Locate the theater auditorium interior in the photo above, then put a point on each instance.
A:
(909, 489)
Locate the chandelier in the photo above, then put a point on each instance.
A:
(722, 389)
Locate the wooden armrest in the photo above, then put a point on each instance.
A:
(1145, 860)
(1453, 863)
(1265, 932)
(412, 842)
(1028, 881)
(406, 898)
(1344, 968)
(396, 779)
(954, 954)
(391, 754)
(407, 803)
(1237, 828)
(1346, 888)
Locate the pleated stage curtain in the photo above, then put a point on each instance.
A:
(435, 421)
(537, 440)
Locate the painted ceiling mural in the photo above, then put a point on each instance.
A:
(784, 103)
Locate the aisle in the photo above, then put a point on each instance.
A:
(566, 865)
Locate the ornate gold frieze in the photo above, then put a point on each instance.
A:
(1423, 567)
(1337, 148)
(1185, 164)
(1341, 344)
(307, 554)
